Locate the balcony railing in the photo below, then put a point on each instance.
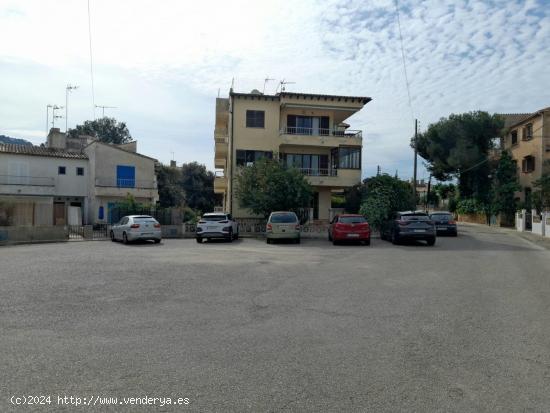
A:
(26, 180)
(294, 130)
(125, 183)
(318, 171)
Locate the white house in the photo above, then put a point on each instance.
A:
(71, 181)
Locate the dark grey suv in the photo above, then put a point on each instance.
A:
(444, 223)
(408, 225)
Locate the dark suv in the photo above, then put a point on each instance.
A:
(408, 225)
(444, 223)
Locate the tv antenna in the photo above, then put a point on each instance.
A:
(267, 79)
(102, 107)
(54, 116)
(282, 84)
(68, 90)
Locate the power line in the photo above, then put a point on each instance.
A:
(91, 59)
(403, 57)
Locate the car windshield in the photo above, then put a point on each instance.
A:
(352, 220)
(415, 217)
(447, 217)
(213, 218)
(283, 218)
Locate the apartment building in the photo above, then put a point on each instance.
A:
(306, 131)
(71, 181)
(528, 141)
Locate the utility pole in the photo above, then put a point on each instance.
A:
(415, 158)
(67, 90)
(428, 193)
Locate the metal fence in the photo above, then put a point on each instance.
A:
(88, 232)
(165, 216)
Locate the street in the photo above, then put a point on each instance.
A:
(461, 326)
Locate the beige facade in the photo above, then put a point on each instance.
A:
(528, 141)
(303, 130)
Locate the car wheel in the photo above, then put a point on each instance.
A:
(329, 237)
(382, 236)
(394, 238)
(297, 241)
(455, 234)
(431, 241)
(237, 235)
(230, 236)
(124, 238)
(334, 242)
(157, 241)
(199, 240)
(367, 242)
(113, 236)
(268, 241)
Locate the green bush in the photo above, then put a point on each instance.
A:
(470, 206)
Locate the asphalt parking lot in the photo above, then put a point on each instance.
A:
(461, 326)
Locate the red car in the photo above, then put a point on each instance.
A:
(349, 227)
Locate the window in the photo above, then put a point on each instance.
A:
(125, 176)
(255, 118)
(349, 158)
(528, 132)
(316, 165)
(528, 164)
(61, 170)
(307, 125)
(79, 171)
(246, 158)
(514, 137)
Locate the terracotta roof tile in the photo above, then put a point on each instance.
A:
(40, 151)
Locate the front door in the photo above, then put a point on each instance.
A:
(59, 213)
(315, 205)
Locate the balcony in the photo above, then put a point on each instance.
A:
(220, 182)
(121, 187)
(220, 146)
(27, 185)
(337, 178)
(291, 135)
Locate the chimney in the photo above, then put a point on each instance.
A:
(56, 139)
(172, 164)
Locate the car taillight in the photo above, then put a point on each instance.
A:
(157, 225)
(134, 226)
(269, 227)
(402, 222)
(298, 226)
(452, 222)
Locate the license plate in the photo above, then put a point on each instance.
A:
(353, 235)
(419, 230)
(440, 227)
(210, 227)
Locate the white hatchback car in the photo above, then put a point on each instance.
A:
(217, 225)
(136, 227)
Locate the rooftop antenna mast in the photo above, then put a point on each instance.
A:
(54, 116)
(103, 109)
(267, 79)
(282, 84)
(68, 89)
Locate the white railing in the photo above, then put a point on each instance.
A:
(295, 130)
(26, 180)
(125, 183)
(318, 171)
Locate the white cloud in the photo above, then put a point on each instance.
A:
(162, 63)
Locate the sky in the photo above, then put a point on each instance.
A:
(161, 64)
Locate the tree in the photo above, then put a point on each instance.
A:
(268, 186)
(198, 187)
(385, 194)
(169, 186)
(541, 195)
(354, 198)
(459, 145)
(505, 185)
(106, 130)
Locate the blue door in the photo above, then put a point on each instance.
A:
(125, 176)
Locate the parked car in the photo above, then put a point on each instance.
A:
(217, 225)
(444, 223)
(409, 225)
(283, 225)
(136, 227)
(349, 227)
